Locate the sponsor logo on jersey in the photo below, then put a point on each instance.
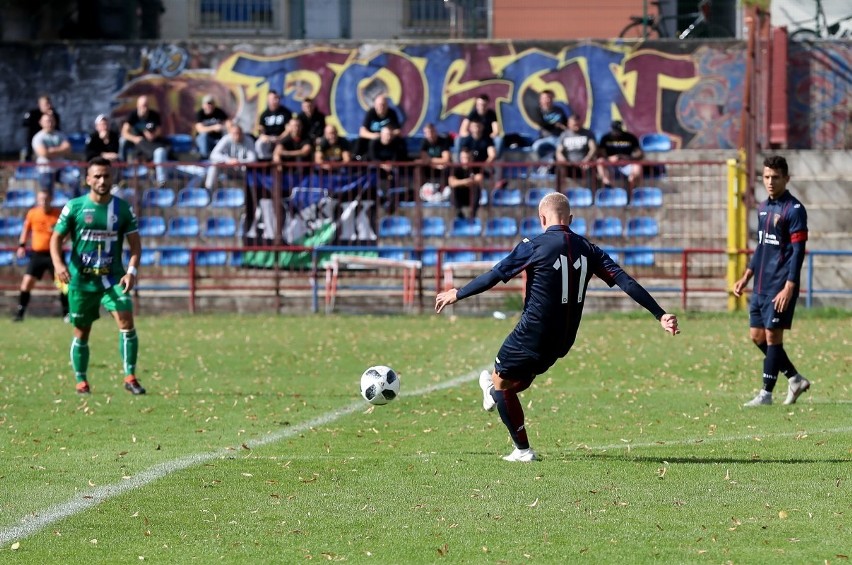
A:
(98, 235)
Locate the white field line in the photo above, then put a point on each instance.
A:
(38, 520)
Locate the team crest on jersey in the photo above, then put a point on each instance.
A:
(775, 218)
(88, 216)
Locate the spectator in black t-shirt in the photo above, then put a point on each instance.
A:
(481, 146)
(552, 121)
(313, 121)
(272, 126)
(32, 122)
(331, 148)
(294, 147)
(619, 146)
(103, 142)
(488, 118)
(142, 134)
(378, 117)
(435, 153)
(211, 123)
(466, 182)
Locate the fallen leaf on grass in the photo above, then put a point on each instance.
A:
(782, 514)
(15, 546)
(534, 504)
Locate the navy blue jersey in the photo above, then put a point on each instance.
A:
(559, 265)
(780, 252)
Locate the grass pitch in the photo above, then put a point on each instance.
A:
(253, 446)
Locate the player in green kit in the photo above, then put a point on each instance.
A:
(97, 224)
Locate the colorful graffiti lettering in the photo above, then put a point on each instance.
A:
(693, 93)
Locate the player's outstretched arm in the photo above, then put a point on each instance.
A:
(669, 323)
(478, 285)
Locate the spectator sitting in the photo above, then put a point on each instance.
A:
(331, 148)
(576, 145)
(313, 121)
(103, 142)
(552, 122)
(435, 152)
(619, 146)
(49, 145)
(32, 121)
(481, 146)
(272, 126)
(387, 153)
(211, 123)
(235, 148)
(378, 117)
(294, 147)
(466, 183)
(488, 118)
(142, 133)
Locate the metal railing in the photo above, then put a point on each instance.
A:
(235, 17)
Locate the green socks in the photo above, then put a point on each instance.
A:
(128, 346)
(80, 359)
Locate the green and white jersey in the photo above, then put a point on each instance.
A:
(97, 236)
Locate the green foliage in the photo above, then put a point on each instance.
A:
(647, 452)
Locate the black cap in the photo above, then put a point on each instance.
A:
(616, 124)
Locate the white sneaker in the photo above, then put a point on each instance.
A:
(763, 398)
(521, 456)
(795, 387)
(486, 384)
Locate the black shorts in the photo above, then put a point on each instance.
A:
(762, 313)
(40, 262)
(516, 364)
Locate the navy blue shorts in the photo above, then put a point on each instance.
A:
(516, 364)
(762, 313)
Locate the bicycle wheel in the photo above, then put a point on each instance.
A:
(634, 30)
(804, 34)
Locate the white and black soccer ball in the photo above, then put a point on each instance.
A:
(379, 385)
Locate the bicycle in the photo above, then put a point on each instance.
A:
(822, 29)
(653, 26)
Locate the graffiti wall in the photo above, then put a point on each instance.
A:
(690, 91)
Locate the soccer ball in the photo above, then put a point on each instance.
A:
(379, 385)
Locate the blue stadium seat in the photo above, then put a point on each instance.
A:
(464, 227)
(395, 226)
(429, 257)
(579, 197)
(506, 197)
(148, 257)
(611, 198)
(229, 198)
(180, 142)
(639, 258)
(212, 258)
(69, 176)
(7, 258)
(174, 256)
(501, 227)
(655, 143)
(220, 226)
(236, 259)
(158, 198)
(646, 197)
(578, 226)
(19, 198)
(60, 198)
(78, 140)
(152, 226)
(413, 143)
(495, 256)
(135, 172)
(459, 256)
(395, 254)
(534, 196)
(193, 198)
(531, 227)
(614, 254)
(183, 226)
(606, 227)
(26, 172)
(642, 227)
(128, 194)
(433, 226)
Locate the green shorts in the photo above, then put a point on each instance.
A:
(84, 305)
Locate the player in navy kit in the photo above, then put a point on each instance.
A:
(776, 267)
(559, 265)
